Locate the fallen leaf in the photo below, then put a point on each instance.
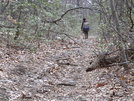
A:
(1, 69)
(22, 96)
(123, 78)
(100, 85)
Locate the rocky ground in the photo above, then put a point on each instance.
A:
(57, 72)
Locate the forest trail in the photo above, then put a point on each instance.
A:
(57, 72)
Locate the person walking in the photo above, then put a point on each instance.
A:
(85, 28)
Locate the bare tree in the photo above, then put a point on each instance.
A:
(120, 39)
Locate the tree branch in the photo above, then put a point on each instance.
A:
(55, 21)
(5, 26)
(68, 35)
(129, 12)
(4, 8)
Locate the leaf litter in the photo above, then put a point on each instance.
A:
(57, 72)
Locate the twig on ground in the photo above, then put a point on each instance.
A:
(68, 35)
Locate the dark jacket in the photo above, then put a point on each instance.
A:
(84, 23)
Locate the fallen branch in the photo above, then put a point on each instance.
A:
(67, 64)
(117, 64)
(68, 35)
(104, 61)
(66, 84)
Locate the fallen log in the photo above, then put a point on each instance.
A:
(104, 60)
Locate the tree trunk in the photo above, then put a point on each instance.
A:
(120, 40)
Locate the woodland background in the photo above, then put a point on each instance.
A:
(43, 56)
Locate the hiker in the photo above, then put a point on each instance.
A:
(85, 28)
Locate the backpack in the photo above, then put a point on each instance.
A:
(85, 27)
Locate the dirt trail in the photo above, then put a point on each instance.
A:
(57, 73)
